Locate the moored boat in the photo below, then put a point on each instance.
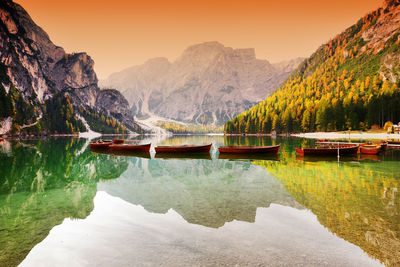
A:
(184, 149)
(250, 149)
(130, 147)
(393, 142)
(118, 141)
(328, 151)
(370, 149)
(100, 144)
(1, 139)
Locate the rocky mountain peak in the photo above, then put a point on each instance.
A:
(208, 84)
(40, 71)
(211, 51)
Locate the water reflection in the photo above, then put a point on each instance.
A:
(358, 201)
(43, 182)
(204, 192)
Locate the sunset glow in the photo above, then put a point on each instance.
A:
(122, 33)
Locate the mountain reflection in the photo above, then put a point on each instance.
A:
(204, 192)
(43, 182)
(358, 201)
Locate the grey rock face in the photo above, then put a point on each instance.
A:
(115, 104)
(208, 84)
(37, 67)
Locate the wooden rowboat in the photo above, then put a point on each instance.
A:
(328, 151)
(118, 141)
(130, 147)
(370, 149)
(184, 149)
(393, 142)
(1, 139)
(100, 144)
(250, 149)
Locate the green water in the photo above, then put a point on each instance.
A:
(222, 205)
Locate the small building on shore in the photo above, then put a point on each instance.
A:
(394, 129)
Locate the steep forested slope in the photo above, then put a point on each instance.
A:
(352, 82)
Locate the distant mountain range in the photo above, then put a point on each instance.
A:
(45, 90)
(351, 82)
(208, 84)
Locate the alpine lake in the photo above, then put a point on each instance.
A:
(63, 205)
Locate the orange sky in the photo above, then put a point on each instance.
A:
(122, 33)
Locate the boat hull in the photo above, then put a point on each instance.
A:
(184, 149)
(249, 149)
(370, 149)
(328, 151)
(130, 148)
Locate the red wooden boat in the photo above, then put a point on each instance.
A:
(130, 147)
(250, 149)
(100, 144)
(1, 139)
(118, 141)
(370, 149)
(328, 151)
(184, 149)
(393, 142)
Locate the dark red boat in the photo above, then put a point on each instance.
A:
(1, 139)
(250, 149)
(329, 151)
(118, 141)
(393, 142)
(184, 149)
(130, 148)
(100, 144)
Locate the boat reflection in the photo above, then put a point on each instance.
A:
(312, 158)
(171, 155)
(138, 154)
(272, 157)
(369, 157)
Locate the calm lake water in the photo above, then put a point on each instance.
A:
(62, 205)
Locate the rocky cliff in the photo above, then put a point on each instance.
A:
(208, 84)
(43, 86)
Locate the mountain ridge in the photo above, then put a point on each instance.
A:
(209, 81)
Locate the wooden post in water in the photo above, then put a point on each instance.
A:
(338, 154)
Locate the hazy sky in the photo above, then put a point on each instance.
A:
(122, 33)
